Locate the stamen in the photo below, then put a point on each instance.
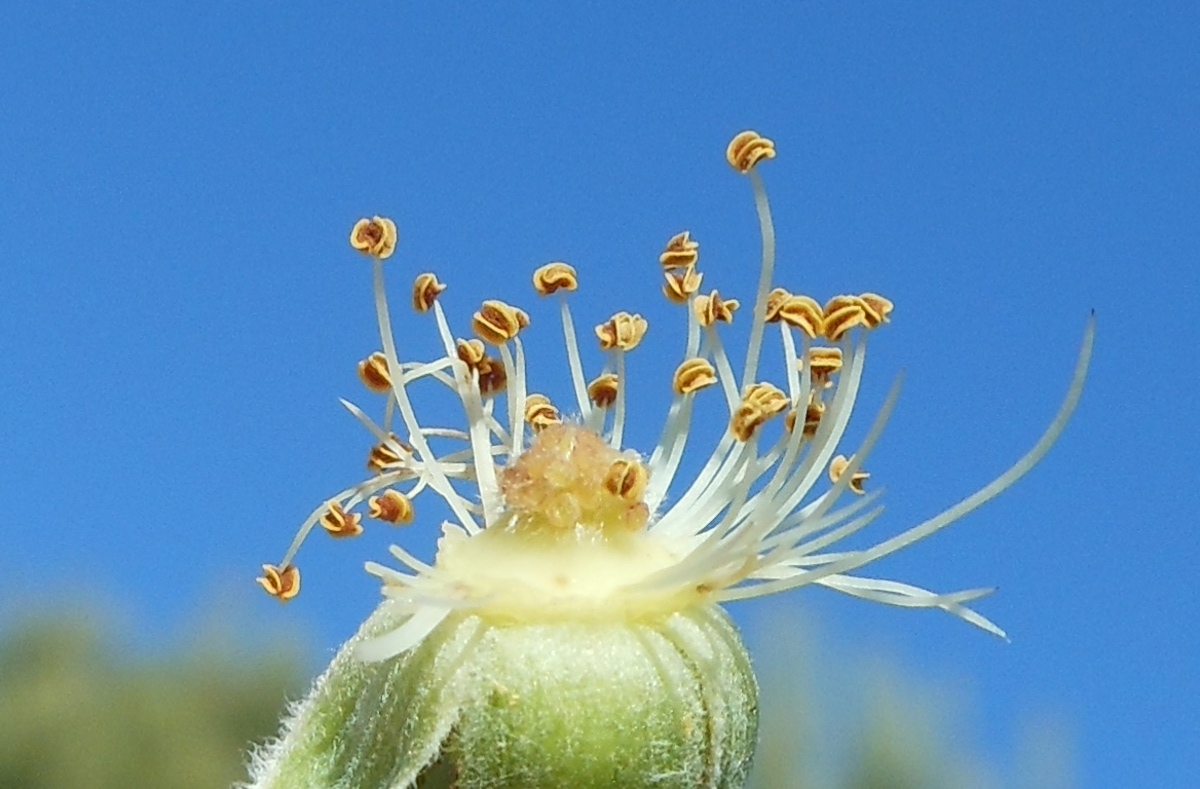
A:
(540, 413)
(622, 331)
(426, 289)
(373, 372)
(282, 582)
(877, 309)
(627, 479)
(681, 252)
(376, 237)
(747, 149)
(392, 507)
(760, 403)
(841, 314)
(497, 322)
(837, 467)
(712, 308)
(553, 277)
(340, 523)
(803, 313)
(694, 375)
(680, 285)
(603, 390)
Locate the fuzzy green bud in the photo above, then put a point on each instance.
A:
(665, 702)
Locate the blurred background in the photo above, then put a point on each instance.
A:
(181, 313)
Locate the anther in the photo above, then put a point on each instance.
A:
(426, 289)
(554, 277)
(693, 375)
(843, 313)
(775, 301)
(540, 413)
(760, 402)
(373, 372)
(823, 363)
(803, 313)
(282, 582)
(497, 322)
(490, 370)
(603, 390)
(340, 523)
(626, 479)
(876, 308)
(837, 467)
(712, 308)
(812, 419)
(748, 149)
(681, 252)
(383, 456)
(622, 331)
(391, 506)
(376, 236)
(681, 284)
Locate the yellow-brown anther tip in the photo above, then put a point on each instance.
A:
(626, 479)
(693, 375)
(554, 277)
(712, 308)
(540, 413)
(392, 507)
(747, 149)
(281, 582)
(497, 322)
(823, 363)
(373, 372)
(837, 467)
(799, 312)
(492, 377)
(603, 390)
(426, 289)
(340, 523)
(680, 285)
(775, 301)
(376, 237)
(681, 252)
(760, 403)
(841, 314)
(623, 330)
(877, 309)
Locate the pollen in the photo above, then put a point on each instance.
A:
(282, 583)
(681, 285)
(760, 403)
(823, 363)
(540, 413)
(603, 391)
(373, 372)
(841, 314)
(713, 308)
(376, 237)
(622, 331)
(488, 370)
(340, 523)
(554, 277)
(693, 375)
(681, 252)
(391, 507)
(747, 149)
(838, 466)
(799, 312)
(426, 289)
(497, 322)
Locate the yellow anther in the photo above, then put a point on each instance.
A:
(812, 419)
(823, 362)
(281, 582)
(837, 467)
(603, 390)
(622, 331)
(712, 308)
(775, 301)
(626, 479)
(748, 149)
(554, 277)
(426, 289)
(760, 402)
(340, 523)
(693, 375)
(681, 252)
(803, 313)
(391, 506)
(843, 313)
(540, 413)
(373, 372)
(497, 322)
(681, 284)
(490, 370)
(877, 308)
(384, 455)
(376, 236)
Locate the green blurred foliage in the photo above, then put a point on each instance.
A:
(76, 711)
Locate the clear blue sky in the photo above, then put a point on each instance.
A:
(181, 309)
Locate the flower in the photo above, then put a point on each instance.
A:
(562, 532)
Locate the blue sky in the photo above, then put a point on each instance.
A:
(182, 310)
